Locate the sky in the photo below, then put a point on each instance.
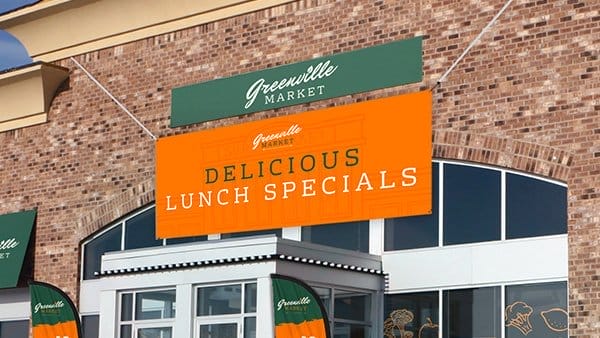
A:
(12, 52)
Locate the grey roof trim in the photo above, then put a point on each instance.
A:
(239, 260)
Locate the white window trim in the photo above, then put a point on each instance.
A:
(237, 318)
(141, 323)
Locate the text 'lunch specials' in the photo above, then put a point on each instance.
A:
(236, 174)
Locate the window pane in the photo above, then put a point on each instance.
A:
(125, 331)
(184, 240)
(344, 330)
(89, 325)
(350, 236)
(250, 327)
(471, 204)
(140, 232)
(126, 306)
(219, 300)
(218, 331)
(472, 313)
(154, 332)
(325, 295)
(536, 310)
(416, 313)
(250, 301)
(416, 231)
(14, 329)
(276, 232)
(534, 207)
(155, 305)
(352, 305)
(93, 251)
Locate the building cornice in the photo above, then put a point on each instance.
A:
(54, 30)
(26, 94)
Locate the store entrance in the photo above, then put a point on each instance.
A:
(225, 290)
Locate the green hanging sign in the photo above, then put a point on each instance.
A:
(15, 230)
(392, 64)
(298, 310)
(53, 314)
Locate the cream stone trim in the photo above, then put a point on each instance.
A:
(43, 5)
(63, 28)
(26, 94)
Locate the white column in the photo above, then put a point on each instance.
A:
(293, 233)
(376, 236)
(108, 314)
(264, 308)
(185, 313)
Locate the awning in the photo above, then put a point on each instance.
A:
(15, 230)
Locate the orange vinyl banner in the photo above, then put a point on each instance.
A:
(348, 163)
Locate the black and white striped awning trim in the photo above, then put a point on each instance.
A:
(239, 260)
(330, 264)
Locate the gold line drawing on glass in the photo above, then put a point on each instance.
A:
(388, 328)
(398, 319)
(425, 328)
(517, 315)
(556, 319)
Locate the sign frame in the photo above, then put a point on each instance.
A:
(326, 166)
(382, 66)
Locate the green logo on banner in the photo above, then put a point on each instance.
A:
(15, 230)
(52, 313)
(298, 310)
(367, 69)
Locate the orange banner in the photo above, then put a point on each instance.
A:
(355, 162)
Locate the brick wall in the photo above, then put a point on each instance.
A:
(526, 97)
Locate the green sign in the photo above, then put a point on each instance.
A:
(367, 69)
(298, 310)
(15, 230)
(52, 313)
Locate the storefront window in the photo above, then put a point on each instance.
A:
(155, 332)
(150, 314)
(276, 232)
(125, 331)
(250, 303)
(250, 327)
(352, 312)
(352, 315)
(218, 330)
(536, 310)
(185, 240)
(350, 236)
(155, 305)
(471, 204)
(411, 314)
(108, 241)
(531, 310)
(351, 305)
(14, 329)
(90, 326)
(472, 209)
(416, 231)
(472, 313)
(325, 295)
(140, 231)
(223, 311)
(534, 207)
(219, 300)
(348, 330)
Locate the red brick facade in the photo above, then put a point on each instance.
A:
(526, 97)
